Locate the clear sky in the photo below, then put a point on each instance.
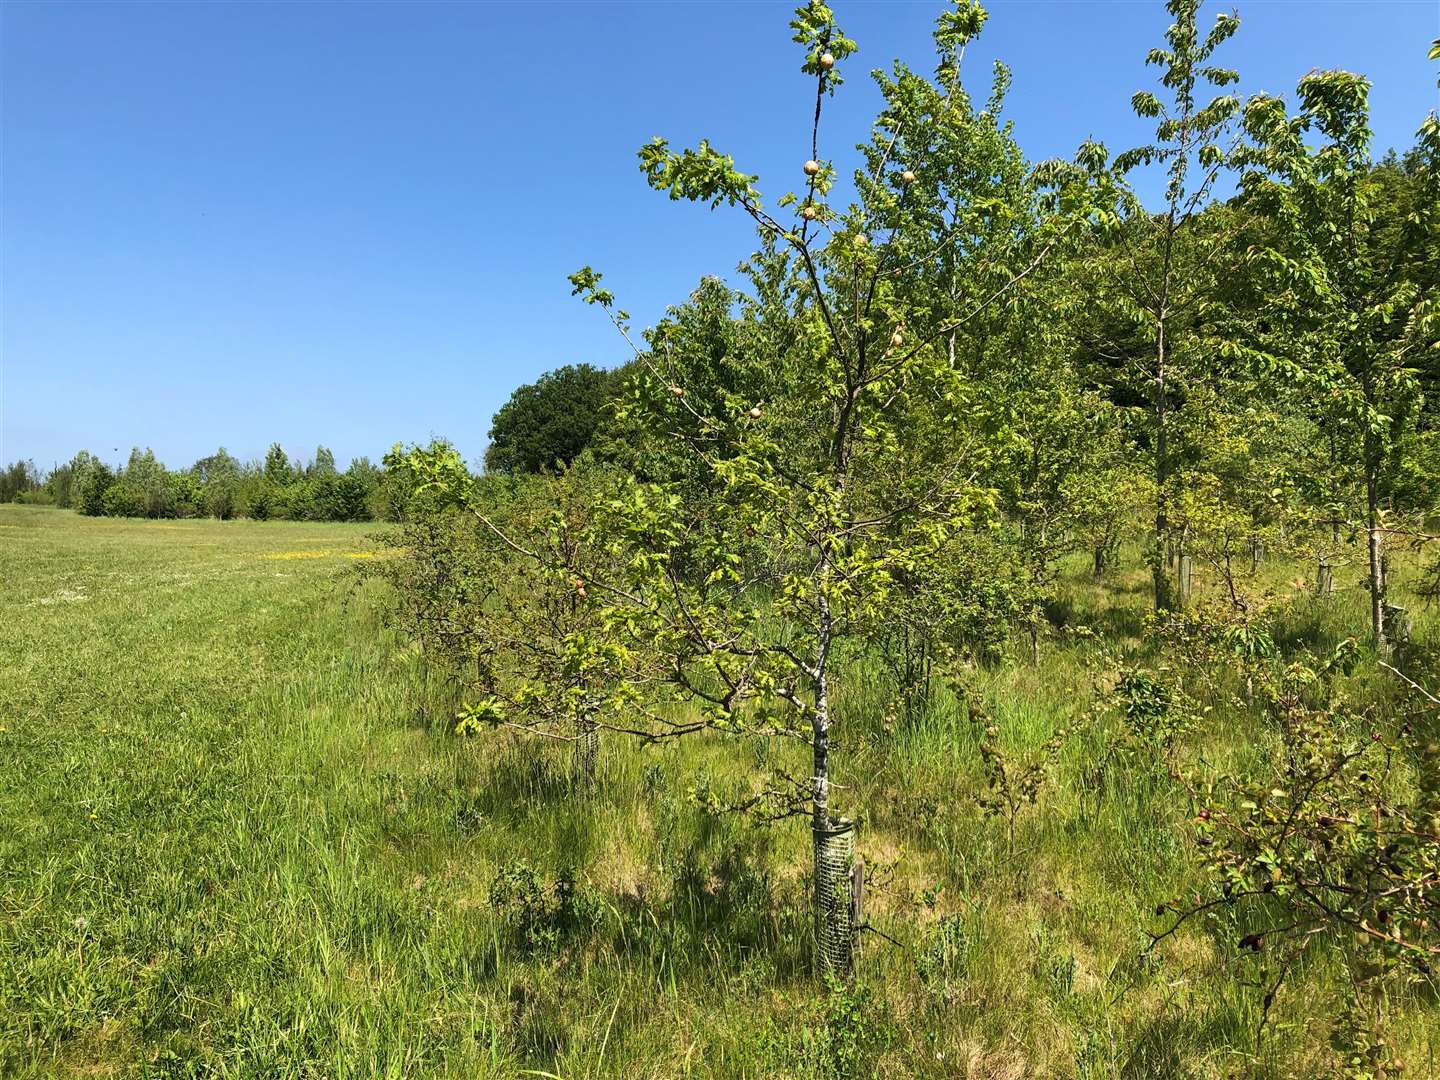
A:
(351, 223)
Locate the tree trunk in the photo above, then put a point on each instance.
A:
(1164, 594)
(1099, 561)
(1325, 578)
(1377, 560)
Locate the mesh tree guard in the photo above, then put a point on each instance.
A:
(835, 929)
(586, 750)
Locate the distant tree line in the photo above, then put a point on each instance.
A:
(218, 486)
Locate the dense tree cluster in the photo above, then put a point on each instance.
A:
(20, 482)
(881, 444)
(217, 486)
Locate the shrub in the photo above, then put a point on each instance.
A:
(123, 499)
(539, 914)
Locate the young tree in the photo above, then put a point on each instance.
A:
(1348, 320)
(500, 597)
(1057, 462)
(822, 499)
(277, 466)
(1162, 278)
(323, 465)
(59, 485)
(146, 475)
(90, 479)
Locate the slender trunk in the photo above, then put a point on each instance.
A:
(1163, 598)
(1099, 561)
(1377, 554)
(825, 634)
(820, 751)
(833, 840)
(1372, 452)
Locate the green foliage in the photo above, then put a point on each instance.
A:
(125, 498)
(497, 577)
(854, 1032)
(1338, 835)
(1156, 711)
(943, 957)
(917, 428)
(1347, 317)
(548, 423)
(277, 466)
(1012, 781)
(19, 479)
(539, 914)
(699, 175)
(1158, 273)
(221, 487)
(90, 477)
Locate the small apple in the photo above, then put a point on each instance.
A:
(827, 61)
(678, 391)
(907, 177)
(809, 213)
(812, 168)
(897, 338)
(755, 413)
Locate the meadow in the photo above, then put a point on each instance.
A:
(240, 839)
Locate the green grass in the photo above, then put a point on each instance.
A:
(238, 841)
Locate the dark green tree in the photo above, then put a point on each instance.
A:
(549, 421)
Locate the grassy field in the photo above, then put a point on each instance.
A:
(238, 840)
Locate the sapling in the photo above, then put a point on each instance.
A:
(813, 509)
(1165, 277)
(1347, 321)
(1338, 835)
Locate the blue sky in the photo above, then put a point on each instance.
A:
(351, 223)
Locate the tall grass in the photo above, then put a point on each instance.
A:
(238, 840)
